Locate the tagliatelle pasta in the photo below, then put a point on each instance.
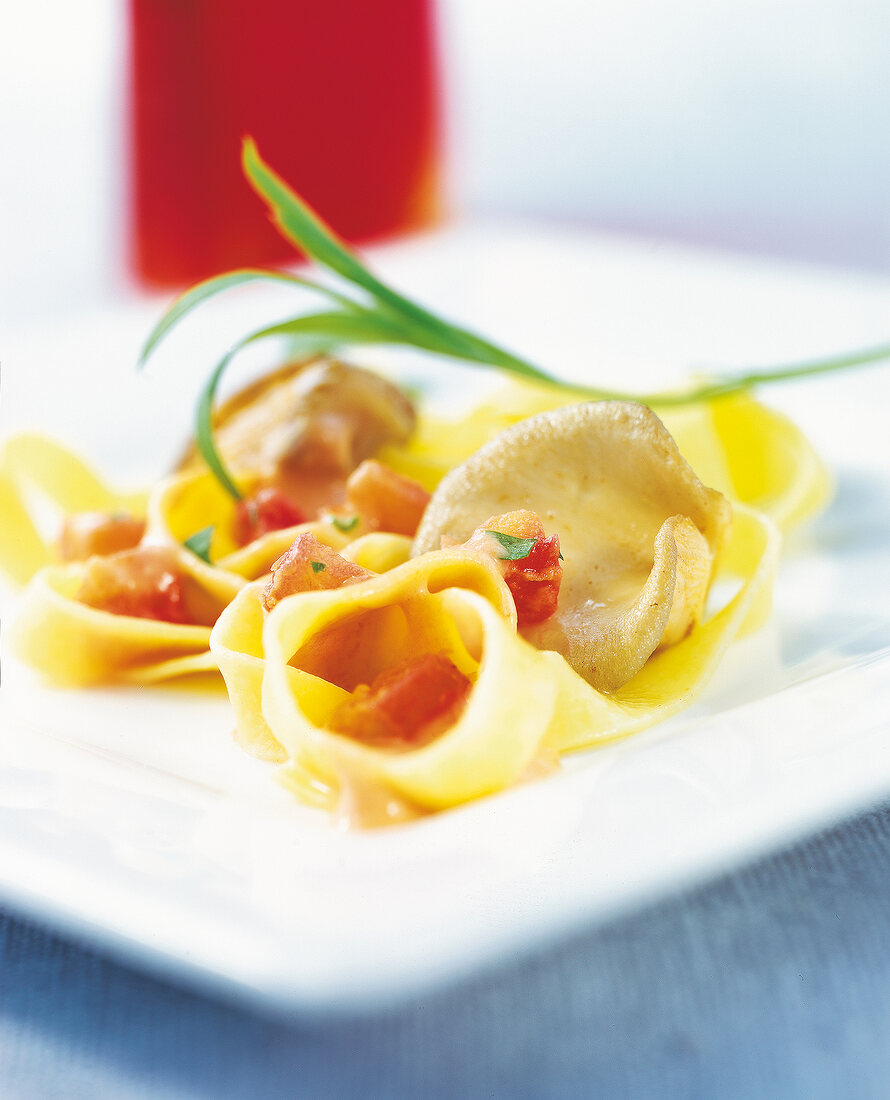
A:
(489, 746)
(289, 671)
(628, 641)
(770, 462)
(285, 666)
(78, 645)
(37, 471)
(239, 642)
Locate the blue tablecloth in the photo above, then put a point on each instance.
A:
(771, 982)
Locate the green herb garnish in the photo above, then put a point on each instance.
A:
(318, 566)
(344, 523)
(378, 314)
(199, 543)
(515, 549)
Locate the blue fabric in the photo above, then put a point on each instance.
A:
(771, 982)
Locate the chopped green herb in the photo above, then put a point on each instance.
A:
(318, 566)
(199, 543)
(515, 549)
(345, 523)
(561, 558)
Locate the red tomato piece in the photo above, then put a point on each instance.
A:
(535, 579)
(385, 500)
(265, 511)
(309, 566)
(144, 583)
(89, 533)
(407, 705)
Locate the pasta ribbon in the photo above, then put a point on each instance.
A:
(642, 519)
(770, 463)
(301, 661)
(74, 644)
(379, 551)
(36, 471)
(288, 672)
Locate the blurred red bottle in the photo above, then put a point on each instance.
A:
(341, 96)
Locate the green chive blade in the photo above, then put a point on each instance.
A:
(199, 543)
(298, 222)
(204, 427)
(209, 288)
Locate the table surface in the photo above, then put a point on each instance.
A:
(774, 981)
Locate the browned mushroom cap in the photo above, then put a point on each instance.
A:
(637, 529)
(318, 415)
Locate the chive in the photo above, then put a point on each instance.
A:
(209, 288)
(204, 427)
(318, 566)
(381, 315)
(199, 543)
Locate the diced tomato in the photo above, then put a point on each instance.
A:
(265, 511)
(406, 706)
(385, 500)
(535, 579)
(308, 566)
(144, 583)
(89, 533)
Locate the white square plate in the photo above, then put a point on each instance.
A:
(129, 816)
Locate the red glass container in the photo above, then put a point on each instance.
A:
(340, 95)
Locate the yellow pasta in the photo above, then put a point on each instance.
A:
(490, 745)
(631, 642)
(288, 671)
(238, 644)
(36, 471)
(77, 645)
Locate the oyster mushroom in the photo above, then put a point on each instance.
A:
(306, 426)
(637, 529)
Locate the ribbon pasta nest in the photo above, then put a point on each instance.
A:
(392, 650)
